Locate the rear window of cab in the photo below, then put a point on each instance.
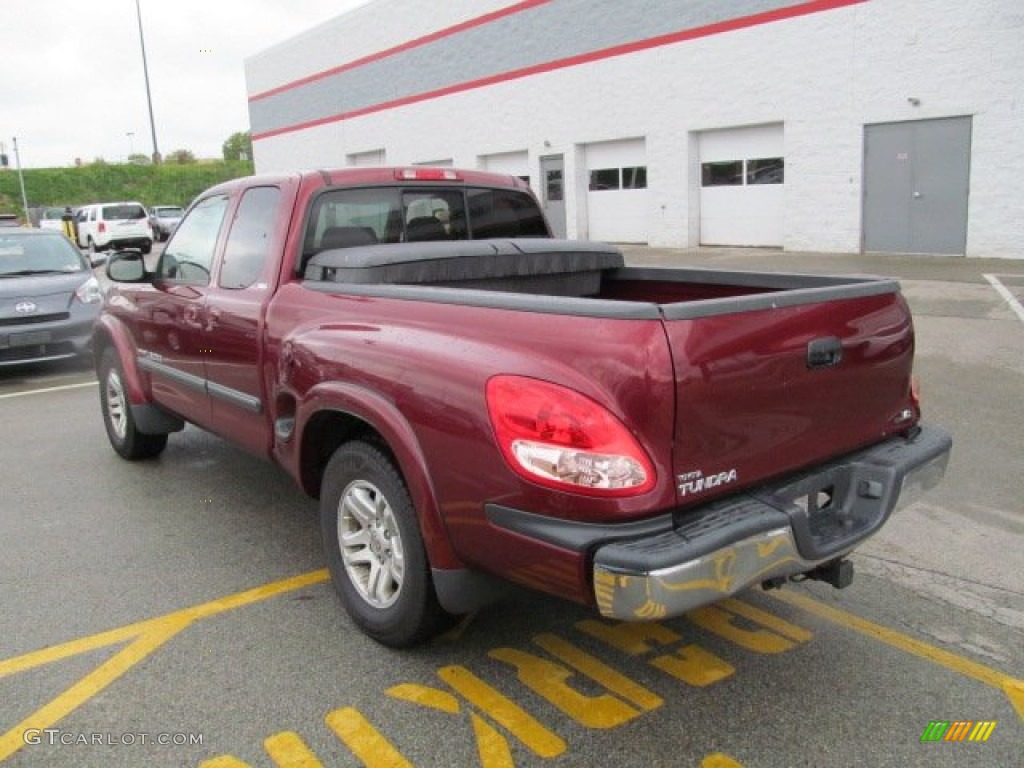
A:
(351, 217)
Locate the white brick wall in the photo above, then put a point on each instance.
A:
(824, 76)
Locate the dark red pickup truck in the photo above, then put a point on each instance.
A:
(472, 399)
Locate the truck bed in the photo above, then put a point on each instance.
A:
(567, 277)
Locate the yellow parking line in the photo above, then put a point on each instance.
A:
(146, 636)
(48, 389)
(1010, 686)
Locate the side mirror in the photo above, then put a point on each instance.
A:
(127, 267)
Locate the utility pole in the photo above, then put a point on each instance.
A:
(149, 98)
(21, 181)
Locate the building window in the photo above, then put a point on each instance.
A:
(765, 170)
(604, 179)
(736, 173)
(553, 186)
(634, 177)
(727, 173)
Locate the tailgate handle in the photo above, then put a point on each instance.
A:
(824, 353)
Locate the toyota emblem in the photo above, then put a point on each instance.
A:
(24, 307)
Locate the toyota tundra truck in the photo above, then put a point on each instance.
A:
(476, 403)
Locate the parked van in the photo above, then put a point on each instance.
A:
(104, 226)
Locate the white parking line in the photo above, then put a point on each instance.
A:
(1007, 296)
(49, 389)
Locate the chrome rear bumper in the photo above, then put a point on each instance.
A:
(768, 533)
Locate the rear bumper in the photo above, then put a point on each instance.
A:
(670, 565)
(116, 243)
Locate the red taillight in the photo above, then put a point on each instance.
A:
(102, 227)
(562, 439)
(915, 392)
(427, 174)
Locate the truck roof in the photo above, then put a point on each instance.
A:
(386, 175)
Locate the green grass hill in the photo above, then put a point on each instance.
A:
(101, 182)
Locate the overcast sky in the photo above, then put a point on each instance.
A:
(71, 81)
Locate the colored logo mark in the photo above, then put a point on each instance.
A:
(958, 730)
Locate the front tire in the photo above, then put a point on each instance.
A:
(124, 437)
(374, 549)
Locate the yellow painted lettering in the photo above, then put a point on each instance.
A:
(288, 750)
(490, 745)
(633, 639)
(694, 666)
(769, 620)
(224, 761)
(718, 760)
(503, 711)
(426, 697)
(596, 670)
(548, 680)
(723, 624)
(365, 741)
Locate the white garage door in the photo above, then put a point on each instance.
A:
(741, 194)
(617, 194)
(512, 163)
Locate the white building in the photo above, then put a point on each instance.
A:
(832, 125)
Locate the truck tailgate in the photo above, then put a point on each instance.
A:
(773, 388)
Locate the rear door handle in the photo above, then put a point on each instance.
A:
(824, 353)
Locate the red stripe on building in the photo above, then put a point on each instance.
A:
(479, 21)
(743, 22)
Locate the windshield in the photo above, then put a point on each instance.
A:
(23, 254)
(168, 212)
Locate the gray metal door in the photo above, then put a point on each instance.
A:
(552, 183)
(916, 181)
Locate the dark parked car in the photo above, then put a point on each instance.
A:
(49, 297)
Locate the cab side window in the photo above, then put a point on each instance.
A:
(249, 239)
(188, 257)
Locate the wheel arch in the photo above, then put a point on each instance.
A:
(335, 413)
(107, 333)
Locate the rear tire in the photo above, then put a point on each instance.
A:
(124, 437)
(374, 548)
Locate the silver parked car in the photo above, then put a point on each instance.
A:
(164, 219)
(49, 297)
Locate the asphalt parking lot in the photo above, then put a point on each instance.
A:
(175, 612)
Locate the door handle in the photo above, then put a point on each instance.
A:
(918, 195)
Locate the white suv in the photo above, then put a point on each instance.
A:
(114, 225)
